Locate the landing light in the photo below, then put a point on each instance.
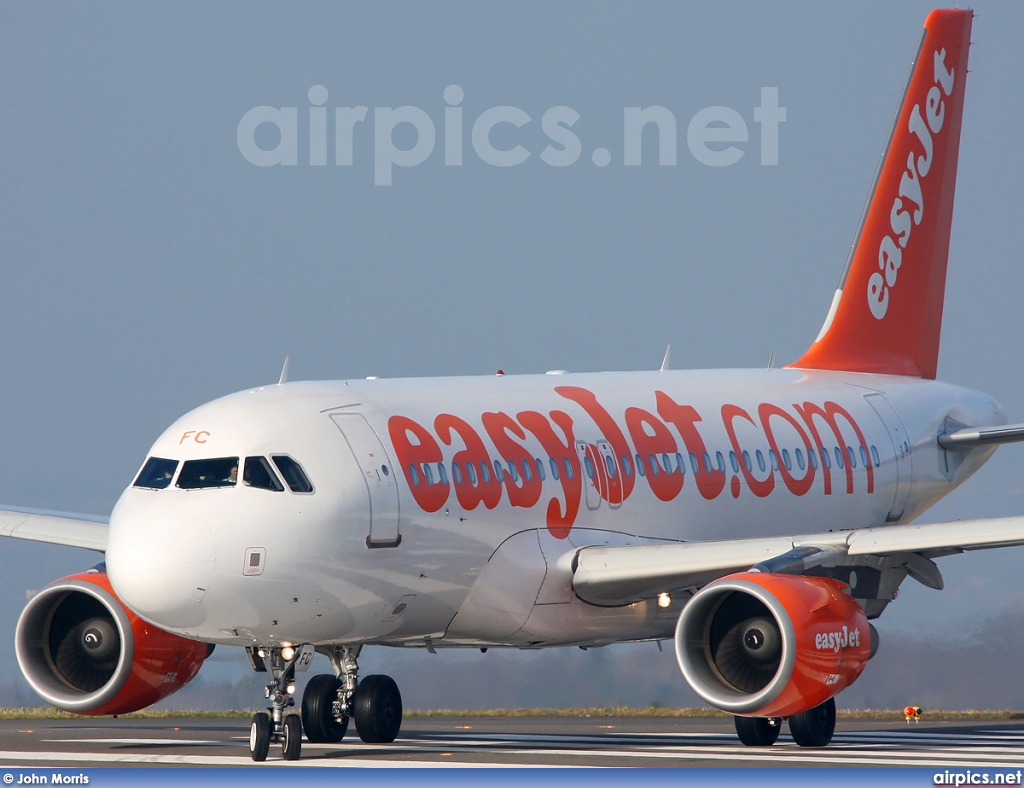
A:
(664, 600)
(287, 653)
(290, 689)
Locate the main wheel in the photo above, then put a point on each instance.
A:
(291, 743)
(377, 708)
(318, 718)
(814, 727)
(757, 731)
(259, 736)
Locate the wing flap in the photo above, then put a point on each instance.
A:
(70, 530)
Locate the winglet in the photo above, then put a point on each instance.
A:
(664, 361)
(886, 315)
(284, 373)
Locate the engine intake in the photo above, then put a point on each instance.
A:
(82, 651)
(769, 645)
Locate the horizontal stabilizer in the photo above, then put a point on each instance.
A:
(972, 437)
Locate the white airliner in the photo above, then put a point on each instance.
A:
(758, 517)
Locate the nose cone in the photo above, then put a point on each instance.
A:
(161, 569)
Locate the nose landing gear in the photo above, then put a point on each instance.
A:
(275, 726)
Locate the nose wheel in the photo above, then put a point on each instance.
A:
(273, 725)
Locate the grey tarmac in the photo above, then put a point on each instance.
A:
(439, 741)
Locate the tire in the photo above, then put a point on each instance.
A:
(814, 727)
(318, 710)
(291, 744)
(259, 736)
(757, 731)
(377, 709)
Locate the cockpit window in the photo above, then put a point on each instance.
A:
(200, 474)
(293, 474)
(156, 473)
(258, 474)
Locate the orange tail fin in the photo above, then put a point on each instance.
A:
(887, 313)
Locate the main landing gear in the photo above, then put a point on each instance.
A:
(328, 703)
(811, 728)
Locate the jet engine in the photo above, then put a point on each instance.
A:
(772, 645)
(84, 652)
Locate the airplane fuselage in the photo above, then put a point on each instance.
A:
(446, 511)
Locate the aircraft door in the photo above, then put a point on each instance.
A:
(901, 445)
(379, 476)
(611, 473)
(589, 464)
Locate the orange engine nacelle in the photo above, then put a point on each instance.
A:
(771, 645)
(84, 652)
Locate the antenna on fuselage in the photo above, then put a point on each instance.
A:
(284, 373)
(771, 360)
(664, 361)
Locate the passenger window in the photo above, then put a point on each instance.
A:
(746, 461)
(640, 469)
(485, 472)
(609, 463)
(693, 462)
(589, 466)
(785, 460)
(851, 456)
(707, 463)
(627, 466)
(720, 461)
(568, 467)
(874, 456)
(799, 458)
(540, 468)
(554, 468)
(732, 461)
(414, 475)
(442, 474)
(774, 459)
(428, 474)
(839, 458)
(812, 458)
(293, 474)
(825, 461)
(666, 463)
(760, 460)
(456, 473)
(471, 473)
(864, 456)
(653, 463)
(257, 473)
(512, 471)
(203, 474)
(156, 474)
(497, 471)
(680, 465)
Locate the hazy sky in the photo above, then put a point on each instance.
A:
(149, 266)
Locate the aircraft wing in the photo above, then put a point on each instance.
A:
(621, 575)
(71, 530)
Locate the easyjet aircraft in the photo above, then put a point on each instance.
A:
(758, 517)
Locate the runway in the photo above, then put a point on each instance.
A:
(514, 742)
